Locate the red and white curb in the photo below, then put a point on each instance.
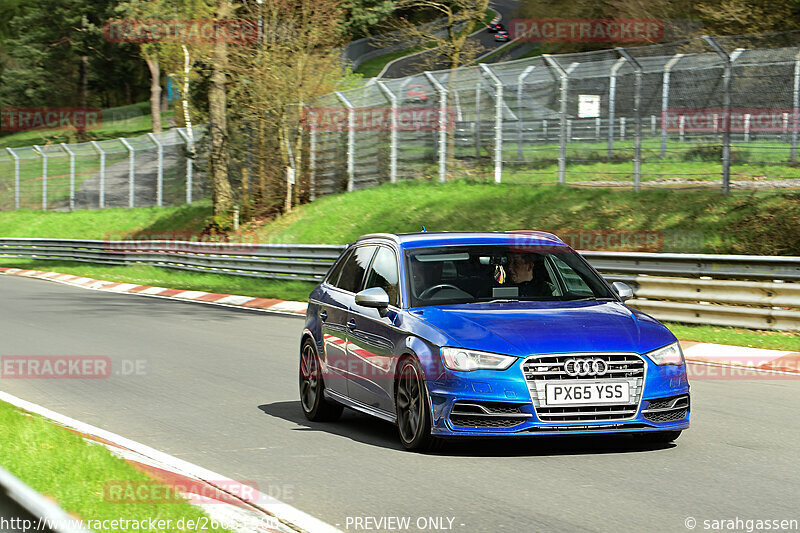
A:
(272, 305)
(208, 490)
(695, 352)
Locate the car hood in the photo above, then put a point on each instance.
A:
(527, 328)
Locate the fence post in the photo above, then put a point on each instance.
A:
(44, 176)
(795, 105)
(312, 156)
(637, 117)
(498, 122)
(131, 171)
(16, 177)
(393, 133)
(612, 102)
(562, 136)
(188, 138)
(665, 99)
(351, 141)
(160, 178)
(520, 88)
(727, 74)
(478, 119)
(102, 153)
(442, 125)
(747, 127)
(71, 176)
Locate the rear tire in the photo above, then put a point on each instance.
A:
(659, 437)
(413, 410)
(312, 388)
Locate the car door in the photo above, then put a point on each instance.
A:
(336, 326)
(373, 337)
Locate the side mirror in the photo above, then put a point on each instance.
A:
(374, 297)
(622, 290)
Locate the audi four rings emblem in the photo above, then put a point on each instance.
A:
(585, 367)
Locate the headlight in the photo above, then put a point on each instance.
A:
(668, 355)
(469, 360)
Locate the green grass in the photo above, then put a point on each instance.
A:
(115, 224)
(774, 340)
(59, 463)
(123, 121)
(699, 221)
(173, 279)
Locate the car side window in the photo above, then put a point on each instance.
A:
(574, 283)
(333, 277)
(354, 268)
(384, 274)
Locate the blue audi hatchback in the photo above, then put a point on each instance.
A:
(458, 334)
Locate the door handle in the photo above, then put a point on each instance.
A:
(352, 324)
(323, 316)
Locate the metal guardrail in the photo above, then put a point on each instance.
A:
(728, 290)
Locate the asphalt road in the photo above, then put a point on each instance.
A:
(218, 387)
(419, 62)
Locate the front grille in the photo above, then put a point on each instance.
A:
(486, 415)
(540, 370)
(667, 409)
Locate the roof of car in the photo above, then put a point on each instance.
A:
(453, 238)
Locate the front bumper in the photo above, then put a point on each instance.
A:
(491, 403)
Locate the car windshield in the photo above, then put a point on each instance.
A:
(473, 274)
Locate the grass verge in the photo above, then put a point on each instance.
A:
(771, 340)
(45, 457)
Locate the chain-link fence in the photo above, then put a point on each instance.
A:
(156, 169)
(720, 112)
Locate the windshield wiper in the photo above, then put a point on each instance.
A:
(591, 298)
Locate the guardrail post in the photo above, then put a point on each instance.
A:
(612, 101)
(563, 92)
(351, 140)
(16, 177)
(188, 138)
(637, 114)
(727, 74)
(442, 125)
(71, 176)
(498, 122)
(665, 99)
(520, 89)
(102, 153)
(131, 170)
(160, 178)
(44, 176)
(393, 133)
(795, 105)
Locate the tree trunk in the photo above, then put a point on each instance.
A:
(155, 89)
(83, 90)
(222, 194)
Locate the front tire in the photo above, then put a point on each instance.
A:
(312, 388)
(413, 410)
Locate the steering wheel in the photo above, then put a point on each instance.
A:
(427, 292)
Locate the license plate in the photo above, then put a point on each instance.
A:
(587, 392)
